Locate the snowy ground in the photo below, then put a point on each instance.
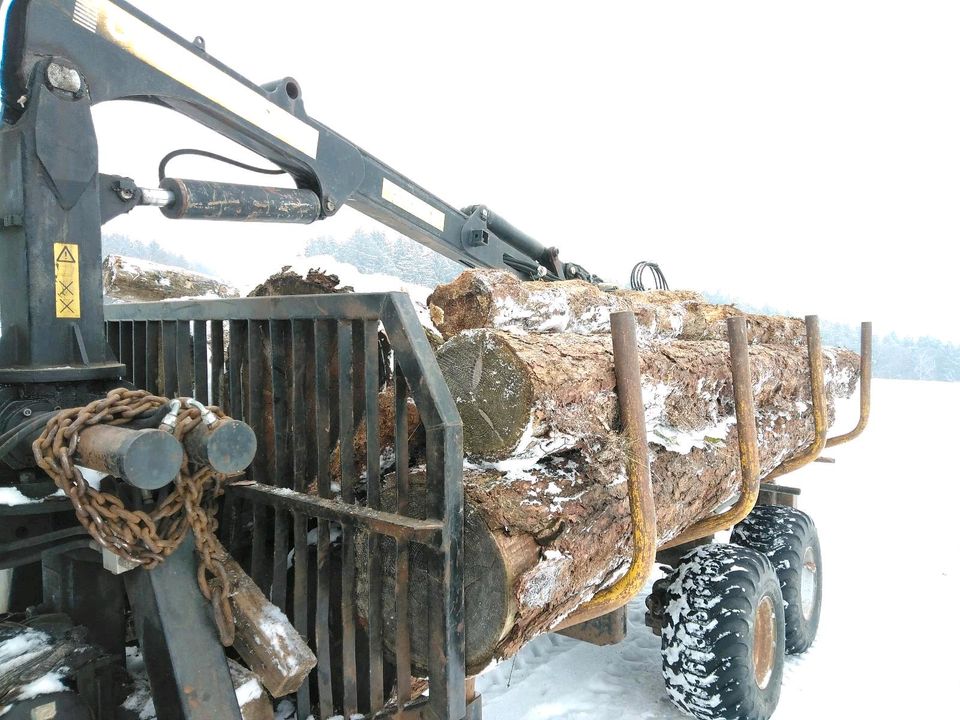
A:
(889, 636)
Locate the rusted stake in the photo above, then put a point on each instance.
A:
(866, 375)
(643, 518)
(746, 437)
(819, 395)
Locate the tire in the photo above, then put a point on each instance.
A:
(722, 638)
(788, 538)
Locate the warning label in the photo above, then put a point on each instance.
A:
(66, 260)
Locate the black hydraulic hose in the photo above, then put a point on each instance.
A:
(162, 170)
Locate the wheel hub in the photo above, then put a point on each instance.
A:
(764, 642)
(808, 584)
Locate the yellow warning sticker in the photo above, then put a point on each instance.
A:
(66, 260)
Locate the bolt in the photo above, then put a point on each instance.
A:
(483, 214)
(329, 205)
(63, 78)
(27, 412)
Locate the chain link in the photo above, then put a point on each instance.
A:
(145, 538)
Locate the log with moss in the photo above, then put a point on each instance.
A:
(497, 299)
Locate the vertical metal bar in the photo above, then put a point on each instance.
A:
(304, 404)
(866, 374)
(233, 396)
(445, 501)
(169, 329)
(300, 622)
(643, 515)
(345, 394)
(322, 622)
(126, 346)
(238, 349)
(139, 355)
(375, 574)
(257, 380)
(184, 362)
(346, 383)
(279, 368)
(819, 400)
(216, 361)
(281, 540)
(747, 441)
(324, 347)
(359, 402)
(151, 381)
(402, 649)
(201, 389)
(113, 337)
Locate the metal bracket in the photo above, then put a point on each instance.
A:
(866, 374)
(189, 677)
(819, 396)
(747, 438)
(643, 516)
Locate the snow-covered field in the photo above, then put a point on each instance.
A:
(889, 640)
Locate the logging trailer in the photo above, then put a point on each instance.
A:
(111, 429)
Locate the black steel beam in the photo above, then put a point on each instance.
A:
(188, 672)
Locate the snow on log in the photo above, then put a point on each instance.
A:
(543, 536)
(531, 395)
(134, 280)
(497, 299)
(265, 640)
(547, 516)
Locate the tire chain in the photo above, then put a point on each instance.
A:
(144, 538)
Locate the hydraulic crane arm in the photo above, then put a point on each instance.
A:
(109, 50)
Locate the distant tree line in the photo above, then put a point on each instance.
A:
(375, 252)
(902, 358)
(114, 244)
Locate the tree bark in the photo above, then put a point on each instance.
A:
(134, 280)
(543, 537)
(496, 299)
(534, 394)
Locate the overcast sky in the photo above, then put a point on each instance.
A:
(801, 155)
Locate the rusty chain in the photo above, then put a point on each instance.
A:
(144, 538)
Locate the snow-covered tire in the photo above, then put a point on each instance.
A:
(722, 639)
(788, 538)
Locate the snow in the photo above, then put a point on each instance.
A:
(249, 691)
(880, 653)
(12, 496)
(49, 683)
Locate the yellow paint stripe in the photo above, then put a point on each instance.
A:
(160, 52)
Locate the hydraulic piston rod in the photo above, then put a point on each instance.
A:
(148, 459)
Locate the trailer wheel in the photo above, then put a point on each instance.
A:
(788, 538)
(723, 639)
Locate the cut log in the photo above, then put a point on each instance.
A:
(498, 300)
(535, 394)
(253, 701)
(541, 538)
(135, 280)
(265, 640)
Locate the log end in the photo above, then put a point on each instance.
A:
(492, 390)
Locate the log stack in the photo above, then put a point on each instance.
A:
(530, 366)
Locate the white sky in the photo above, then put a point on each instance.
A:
(802, 155)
